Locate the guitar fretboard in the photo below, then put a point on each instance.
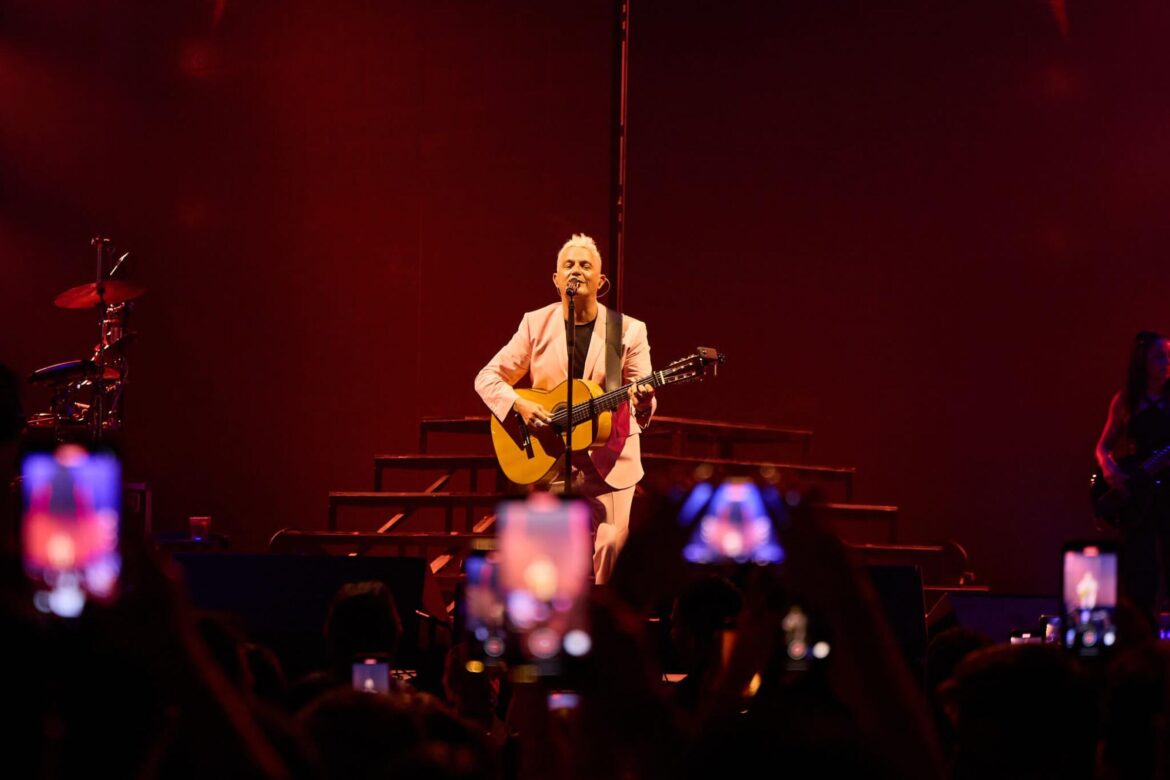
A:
(607, 402)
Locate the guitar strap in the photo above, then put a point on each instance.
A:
(613, 349)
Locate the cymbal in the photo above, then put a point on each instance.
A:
(85, 296)
(72, 370)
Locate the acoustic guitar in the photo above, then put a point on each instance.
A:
(535, 456)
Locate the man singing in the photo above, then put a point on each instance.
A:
(608, 475)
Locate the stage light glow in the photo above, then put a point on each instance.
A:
(577, 642)
(544, 643)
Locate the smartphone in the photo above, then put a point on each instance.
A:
(1089, 597)
(544, 562)
(371, 674)
(733, 521)
(482, 606)
(70, 526)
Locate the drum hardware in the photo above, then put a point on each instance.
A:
(87, 394)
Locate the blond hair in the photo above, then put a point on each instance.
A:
(580, 241)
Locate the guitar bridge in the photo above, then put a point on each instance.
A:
(525, 441)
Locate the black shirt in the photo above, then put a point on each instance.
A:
(582, 337)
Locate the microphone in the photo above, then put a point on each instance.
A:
(571, 287)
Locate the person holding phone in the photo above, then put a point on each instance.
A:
(539, 349)
(1137, 427)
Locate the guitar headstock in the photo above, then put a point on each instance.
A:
(703, 362)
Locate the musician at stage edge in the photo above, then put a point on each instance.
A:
(1131, 451)
(607, 475)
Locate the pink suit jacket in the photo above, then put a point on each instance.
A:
(538, 349)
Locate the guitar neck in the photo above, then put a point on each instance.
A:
(1155, 462)
(613, 399)
(607, 402)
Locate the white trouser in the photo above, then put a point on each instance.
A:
(611, 531)
(611, 517)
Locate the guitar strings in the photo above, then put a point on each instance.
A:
(607, 401)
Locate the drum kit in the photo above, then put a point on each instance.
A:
(86, 394)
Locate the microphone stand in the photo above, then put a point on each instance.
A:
(571, 348)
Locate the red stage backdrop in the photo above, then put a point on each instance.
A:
(340, 209)
(928, 232)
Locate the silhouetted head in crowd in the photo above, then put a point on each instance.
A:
(944, 653)
(363, 618)
(1022, 711)
(1135, 728)
(699, 617)
(947, 650)
(401, 735)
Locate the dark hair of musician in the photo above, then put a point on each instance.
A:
(1135, 380)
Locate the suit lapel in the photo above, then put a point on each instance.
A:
(559, 354)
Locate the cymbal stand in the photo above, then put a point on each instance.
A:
(98, 409)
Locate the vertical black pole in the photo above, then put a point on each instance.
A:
(571, 348)
(97, 407)
(619, 104)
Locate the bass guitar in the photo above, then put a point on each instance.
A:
(1122, 507)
